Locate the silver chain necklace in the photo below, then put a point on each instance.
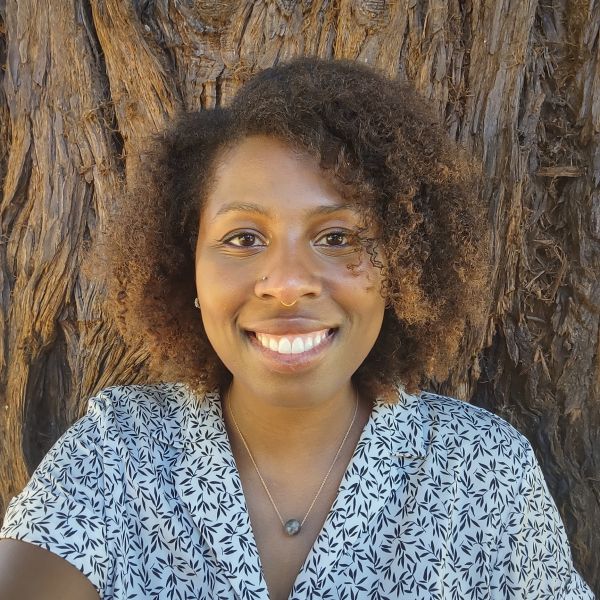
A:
(292, 526)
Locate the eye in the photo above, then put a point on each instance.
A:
(335, 239)
(244, 239)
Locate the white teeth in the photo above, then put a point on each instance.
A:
(284, 346)
(289, 345)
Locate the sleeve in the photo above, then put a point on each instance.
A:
(62, 507)
(533, 557)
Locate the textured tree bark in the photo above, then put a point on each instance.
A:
(518, 83)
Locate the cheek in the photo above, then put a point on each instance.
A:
(372, 301)
(217, 296)
(368, 277)
(361, 294)
(373, 282)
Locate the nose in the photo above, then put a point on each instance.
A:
(289, 275)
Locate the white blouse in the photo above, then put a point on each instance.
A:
(441, 500)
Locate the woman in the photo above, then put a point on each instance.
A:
(298, 263)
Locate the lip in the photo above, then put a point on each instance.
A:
(290, 326)
(292, 363)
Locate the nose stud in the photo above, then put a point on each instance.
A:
(197, 303)
(284, 304)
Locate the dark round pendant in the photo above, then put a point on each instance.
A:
(292, 527)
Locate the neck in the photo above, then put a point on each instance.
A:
(292, 433)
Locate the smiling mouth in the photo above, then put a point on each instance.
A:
(293, 344)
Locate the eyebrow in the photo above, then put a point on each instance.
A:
(325, 209)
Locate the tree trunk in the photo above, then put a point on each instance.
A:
(518, 83)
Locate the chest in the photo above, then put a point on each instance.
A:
(283, 556)
(403, 551)
(398, 528)
(392, 533)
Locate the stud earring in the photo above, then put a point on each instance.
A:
(196, 303)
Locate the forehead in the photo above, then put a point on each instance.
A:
(271, 176)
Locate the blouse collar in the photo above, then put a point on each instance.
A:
(181, 418)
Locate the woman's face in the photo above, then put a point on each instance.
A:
(273, 230)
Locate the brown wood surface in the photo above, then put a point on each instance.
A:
(517, 82)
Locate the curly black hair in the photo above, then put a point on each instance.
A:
(385, 149)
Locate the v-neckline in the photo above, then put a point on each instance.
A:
(209, 484)
(268, 537)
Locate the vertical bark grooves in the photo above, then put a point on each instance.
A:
(4, 122)
(546, 375)
(517, 84)
(140, 85)
(105, 106)
(5, 148)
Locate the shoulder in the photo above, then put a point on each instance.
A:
(478, 455)
(162, 411)
(140, 397)
(462, 418)
(461, 428)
